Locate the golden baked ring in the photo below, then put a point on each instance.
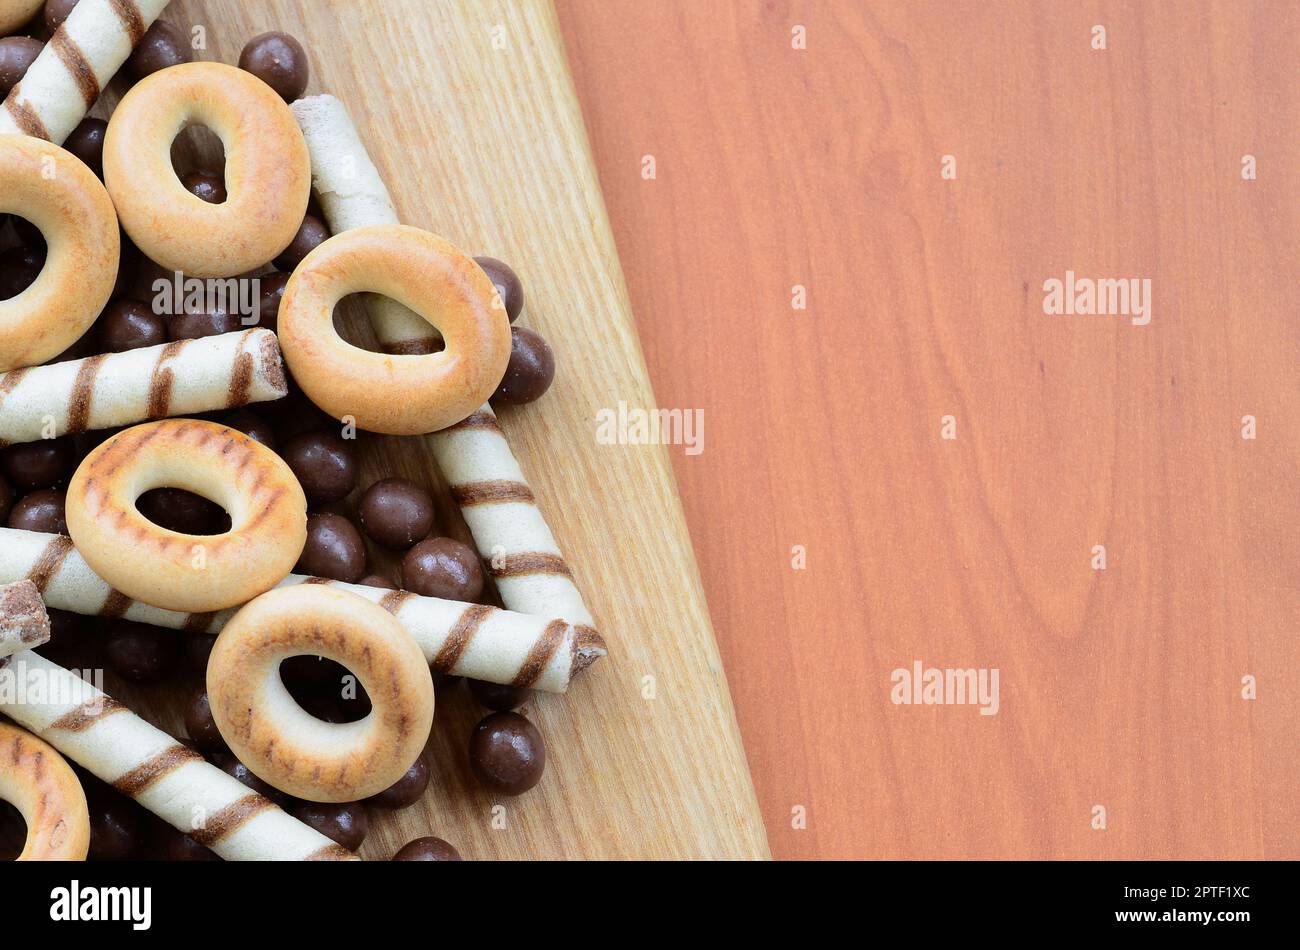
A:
(186, 572)
(286, 746)
(36, 780)
(16, 13)
(268, 171)
(53, 190)
(404, 394)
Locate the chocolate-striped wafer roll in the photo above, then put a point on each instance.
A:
(117, 389)
(24, 624)
(475, 457)
(483, 643)
(144, 763)
(78, 61)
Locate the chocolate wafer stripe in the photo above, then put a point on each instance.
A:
(132, 20)
(83, 391)
(230, 819)
(394, 599)
(75, 61)
(522, 565)
(87, 714)
(135, 782)
(161, 381)
(476, 420)
(331, 852)
(492, 493)
(458, 639)
(48, 563)
(535, 663)
(24, 116)
(115, 604)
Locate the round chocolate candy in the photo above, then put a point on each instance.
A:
(530, 371)
(116, 826)
(41, 510)
(443, 567)
(198, 647)
(374, 580)
(344, 823)
(86, 142)
(141, 653)
(145, 278)
(19, 268)
(7, 500)
(236, 769)
(42, 464)
(162, 46)
(173, 845)
(17, 53)
(406, 791)
(279, 61)
(507, 753)
(183, 512)
(76, 642)
(427, 849)
(325, 464)
(191, 326)
(271, 292)
(209, 186)
(334, 549)
(498, 697)
(396, 513)
(252, 425)
(311, 235)
(56, 11)
(129, 325)
(200, 726)
(507, 284)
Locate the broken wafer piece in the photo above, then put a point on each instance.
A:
(83, 55)
(145, 763)
(483, 643)
(508, 527)
(117, 389)
(24, 623)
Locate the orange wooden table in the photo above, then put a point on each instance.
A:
(1125, 689)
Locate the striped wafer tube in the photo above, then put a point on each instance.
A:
(483, 643)
(78, 61)
(117, 389)
(475, 457)
(144, 763)
(24, 624)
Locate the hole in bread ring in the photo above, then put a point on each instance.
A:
(186, 572)
(283, 744)
(37, 781)
(268, 171)
(395, 394)
(64, 200)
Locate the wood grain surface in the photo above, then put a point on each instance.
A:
(821, 167)
(469, 112)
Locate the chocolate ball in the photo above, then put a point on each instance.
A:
(145, 275)
(86, 142)
(7, 503)
(427, 849)
(396, 513)
(325, 464)
(40, 511)
(173, 845)
(345, 824)
(19, 268)
(198, 647)
(129, 325)
(183, 512)
(271, 292)
(200, 726)
(141, 653)
(312, 233)
(116, 825)
(279, 61)
(56, 11)
(17, 53)
(407, 790)
(507, 753)
(191, 326)
(497, 696)
(236, 769)
(42, 464)
(209, 186)
(252, 425)
(334, 549)
(374, 580)
(507, 284)
(530, 371)
(162, 46)
(443, 567)
(76, 642)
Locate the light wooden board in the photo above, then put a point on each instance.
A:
(486, 146)
(821, 167)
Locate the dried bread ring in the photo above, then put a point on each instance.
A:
(37, 781)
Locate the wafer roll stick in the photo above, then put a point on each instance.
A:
(475, 457)
(78, 61)
(144, 763)
(117, 389)
(24, 624)
(483, 643)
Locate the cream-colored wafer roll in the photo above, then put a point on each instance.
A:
(483, 643)
(78, 61)
(117, 389)
(475, 457)
(24, 624)
(144, 763)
